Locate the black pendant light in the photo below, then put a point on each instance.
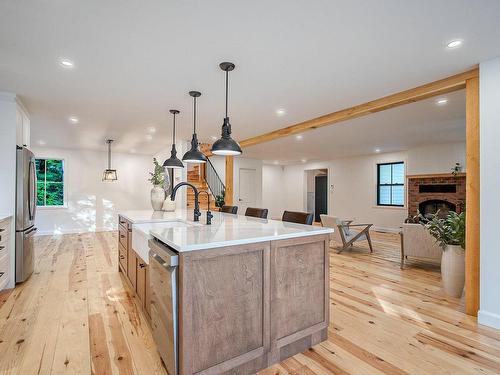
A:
(194, 155)
(173, 161)
(226, 145)
(109, 174)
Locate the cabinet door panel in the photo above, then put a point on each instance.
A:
(141, 281)
(132, 268)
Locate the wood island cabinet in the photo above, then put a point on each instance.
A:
(133, 267)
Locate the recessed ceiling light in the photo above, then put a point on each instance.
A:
(74, 120)
(442, 101)
(149, 137)
(299, 137)
(152, 129)
(275, 162)
(303, 160)
(377, 150)
(41, 143)
(454, 43)
(132, 150)
(280, 111)
(66, 63)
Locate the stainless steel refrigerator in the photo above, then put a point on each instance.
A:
(25, 213)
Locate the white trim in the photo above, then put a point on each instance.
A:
(488, 319)
(386, 229)
(7, 96)
(49, 208)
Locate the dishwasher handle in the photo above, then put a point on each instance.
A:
(163, 255)
(160, 260)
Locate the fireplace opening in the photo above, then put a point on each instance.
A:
(430, 207)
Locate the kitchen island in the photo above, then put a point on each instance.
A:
(236, 296)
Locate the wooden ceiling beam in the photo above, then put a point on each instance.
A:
(429, 90)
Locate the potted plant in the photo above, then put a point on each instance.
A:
(456, 169)
(157, 192)
(220, 199)
(449, 232)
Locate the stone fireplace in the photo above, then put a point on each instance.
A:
(430, 193)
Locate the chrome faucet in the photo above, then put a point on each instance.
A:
(197, 212)
(209, 213)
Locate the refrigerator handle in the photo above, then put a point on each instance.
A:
(32, 190)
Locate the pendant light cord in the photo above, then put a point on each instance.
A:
(227, 88)
(173, 138)
(194, 107)
(109, 155)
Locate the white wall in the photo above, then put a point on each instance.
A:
(179, 174)
(8, 167)
(436, 158)
(219, 164)
(354, 183)
(273, 194)
(489, 313)
(353, 194)
(92, 205)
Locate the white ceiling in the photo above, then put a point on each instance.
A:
(397, 129)
(135, 60)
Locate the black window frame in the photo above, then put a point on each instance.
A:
(391, 184)
(63, 184)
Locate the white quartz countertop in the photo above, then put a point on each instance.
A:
(4, 216)
(179, 231)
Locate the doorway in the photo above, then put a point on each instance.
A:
(246, 193)
(317, 192)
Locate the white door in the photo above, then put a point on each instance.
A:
(246, 197)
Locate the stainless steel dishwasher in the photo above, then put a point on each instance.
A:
(163, 264)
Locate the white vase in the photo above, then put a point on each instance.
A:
(453, 270)
(169, 205)
(157, 197)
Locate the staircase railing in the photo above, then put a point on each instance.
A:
(213, 180)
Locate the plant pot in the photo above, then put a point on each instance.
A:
(157, 197)
(453, 270)
(168, 205)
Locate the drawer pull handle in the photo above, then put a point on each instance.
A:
(142, 265)
(2, 230)
(122, 256)
(122, 236)
(2, 247)
(2, 273)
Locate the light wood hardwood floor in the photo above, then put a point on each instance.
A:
(76, 316)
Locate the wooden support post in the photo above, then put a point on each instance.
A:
(229, 180)
(472, 198)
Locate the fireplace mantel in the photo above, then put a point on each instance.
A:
(432, 175)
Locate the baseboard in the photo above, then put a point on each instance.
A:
(386, 229)
(72, 231)
(488, 319)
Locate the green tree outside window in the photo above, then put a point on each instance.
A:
(50, 182)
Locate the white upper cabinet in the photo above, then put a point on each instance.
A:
(22, 127)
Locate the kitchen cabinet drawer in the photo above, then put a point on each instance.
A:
(123, 236)
(4, 270)
(124, 223)
(132, 268)
(122, 257)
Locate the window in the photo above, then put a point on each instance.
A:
(391, 184)
(50, 182)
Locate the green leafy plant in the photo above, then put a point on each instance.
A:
(456, 169)
(449, 230)
(220, 199)
(158, 175)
